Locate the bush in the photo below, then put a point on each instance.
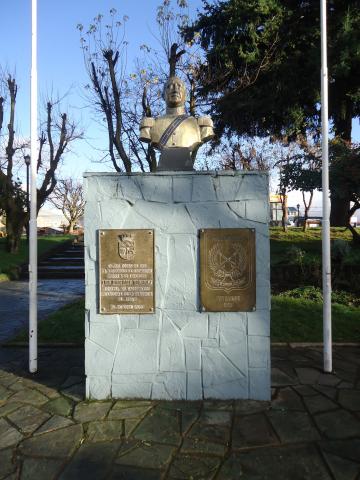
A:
(339, 250)
(295, 255)
(314, 294)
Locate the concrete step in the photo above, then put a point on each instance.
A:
(65, 257)
(63, 261)
(59, 274)
(68, 268)
(68, 263)
(70, 253)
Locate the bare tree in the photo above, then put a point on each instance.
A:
(12, 198)
(68, 197)
(182, 57)
(246, 153)
(121, 99)
(57, 133)
(104, 49)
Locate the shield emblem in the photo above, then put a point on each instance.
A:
(126, 246)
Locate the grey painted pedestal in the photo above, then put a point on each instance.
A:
(178, 352)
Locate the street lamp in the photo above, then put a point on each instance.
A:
(27, 163)
(298, 209)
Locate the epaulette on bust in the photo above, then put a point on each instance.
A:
(147, 122)
(205, 121)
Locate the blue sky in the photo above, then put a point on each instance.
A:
(60, 61)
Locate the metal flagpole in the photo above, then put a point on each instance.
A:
(33, 193)
(326, 262)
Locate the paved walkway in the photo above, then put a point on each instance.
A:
(311, 429)
(14, 302)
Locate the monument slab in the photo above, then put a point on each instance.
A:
(177, 351)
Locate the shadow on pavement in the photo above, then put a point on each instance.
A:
(14, 302)
(310, 430)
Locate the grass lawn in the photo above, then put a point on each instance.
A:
(66, 325)
(300, 320)
(9, 262)
(282, 244)
(292, 320)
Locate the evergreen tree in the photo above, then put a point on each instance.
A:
(262, 70)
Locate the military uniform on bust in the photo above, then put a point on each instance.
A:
(176, 135)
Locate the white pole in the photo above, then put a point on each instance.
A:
(33, 223)
(326, 261)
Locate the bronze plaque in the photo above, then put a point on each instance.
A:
(126, 271)
(227, 270)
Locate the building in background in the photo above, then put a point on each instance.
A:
(292, 215)
(276, 209)
(50, 218)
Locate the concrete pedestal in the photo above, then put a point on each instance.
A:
(178, 352)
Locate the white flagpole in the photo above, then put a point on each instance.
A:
(33, 193)
(326, 261)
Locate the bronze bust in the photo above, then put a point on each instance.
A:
(176, 135)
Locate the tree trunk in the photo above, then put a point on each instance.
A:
(343, 118)
(306, 216)
(71, 226)
(15, 222)
(307, 208)
(339, 211)
(284, 219)
(342, 125)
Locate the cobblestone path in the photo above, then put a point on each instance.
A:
(310, 430)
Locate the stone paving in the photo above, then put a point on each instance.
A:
(310, 430)
(14, 303)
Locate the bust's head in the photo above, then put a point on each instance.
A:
(174, 92)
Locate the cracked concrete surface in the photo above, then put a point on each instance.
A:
(230, 360)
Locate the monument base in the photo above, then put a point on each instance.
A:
(178, 351)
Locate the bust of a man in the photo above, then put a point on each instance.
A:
(176, 135)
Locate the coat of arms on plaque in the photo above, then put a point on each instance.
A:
(227, 269)
(228, 265)
(126, 246)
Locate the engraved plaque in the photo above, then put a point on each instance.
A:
(227, 270)
(126, 271)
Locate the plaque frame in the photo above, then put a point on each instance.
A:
(121, 249)
(227, 269)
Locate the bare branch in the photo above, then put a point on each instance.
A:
(1, 112)
(68, 197)
(174, 58)
(42, 141)
(12, 88)
(66, 132)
